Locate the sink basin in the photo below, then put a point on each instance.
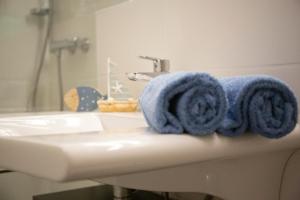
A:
(25, 140)
(119, 149)
(47, 124)
(66, 123)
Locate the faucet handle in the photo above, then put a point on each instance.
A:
(149, 58)
(159, 65)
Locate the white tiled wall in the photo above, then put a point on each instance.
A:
(73, 18)
(19, 36)
(18, 33)
(229, 37)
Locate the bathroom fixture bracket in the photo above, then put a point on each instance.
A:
(43, 9)
(121, 193)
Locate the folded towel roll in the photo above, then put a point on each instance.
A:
(260, 104)
(184, 102)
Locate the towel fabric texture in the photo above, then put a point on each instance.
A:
(259, 104)
(189, 102)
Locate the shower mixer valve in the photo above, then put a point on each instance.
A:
(71, 45)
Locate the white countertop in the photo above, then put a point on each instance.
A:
(125, 146)
(83, 155)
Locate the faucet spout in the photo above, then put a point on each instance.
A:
(143, 76)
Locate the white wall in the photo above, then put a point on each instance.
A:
(229, 37)
(18, 44)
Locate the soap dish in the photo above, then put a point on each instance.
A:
(112, 105)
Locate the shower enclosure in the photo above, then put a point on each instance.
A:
(45, 10)
(46, 48)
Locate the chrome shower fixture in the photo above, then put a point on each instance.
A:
(70, 44)
(43, 9)
(57, 47)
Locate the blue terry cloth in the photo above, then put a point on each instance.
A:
(184, 102)
(260, 104)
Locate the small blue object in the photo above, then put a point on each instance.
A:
(260, 104)
(88, 98)
(184, 102)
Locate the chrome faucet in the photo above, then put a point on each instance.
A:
(160, 66)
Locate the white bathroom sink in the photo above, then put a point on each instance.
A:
(33, 143)
(65, 123)
(49, 123)
(67, 146)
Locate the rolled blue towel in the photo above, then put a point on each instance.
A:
(180, 102)
(260, 104)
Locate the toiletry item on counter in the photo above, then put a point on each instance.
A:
(112, 105)
(180, 102)
(82, 99)
(259, 104)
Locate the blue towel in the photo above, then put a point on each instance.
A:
(184, 102)
(260, 104)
